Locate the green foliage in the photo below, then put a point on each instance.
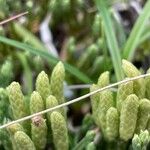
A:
(43, 85)
(140, 142)
(23, 141)
(128, 117)
(60, 131)
(39, 132)
(123, 114)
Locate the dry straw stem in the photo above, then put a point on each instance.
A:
(74, 100)
(13, 18)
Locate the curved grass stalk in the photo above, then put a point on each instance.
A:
(111, 38)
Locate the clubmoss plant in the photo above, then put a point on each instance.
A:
(36, 103)
(43, 85)
(57, 82)
(128, 117)
(59, 131)
(112, 124)
(140, 142)
(124, 113)
(39, 132)
(51, 101)
(106, 101)
(131, 71)
(143, 115)
(23, 141)
(17, 103)
(124, 90)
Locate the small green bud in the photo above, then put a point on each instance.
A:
(91, 146)
(103, 80)
(89, 137)
(128, 117)
(143, 115)
(23, 141)
(39, 132)
(96, 25)
(136, 142)
(145, 138)
(43, 86)
(112, 124)
(59, 131)
(88, 56)
(57, 79)
(36, 103)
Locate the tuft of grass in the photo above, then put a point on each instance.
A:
(136, 33)
(51, 59)
(111, 38)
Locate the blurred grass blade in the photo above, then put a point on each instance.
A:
(27, 36)
(27, 72)
(144, 37)
(51, 59)
(135, 35)
(111, 38)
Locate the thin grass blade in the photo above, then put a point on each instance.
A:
(51, 59)
(111, 38)
(135, 35)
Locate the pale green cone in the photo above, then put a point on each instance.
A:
(136, 143)
(43, 85)
(39, 132)
(23, 141)
(57, 79)
(145, 139)
(36, 103)
(112, 124)
(12, 129)
(140, 142)
(124, 90)
(103, 80)
(95, 99)
(16, 99)
(106, 101)
(94, 102)
(147, 80)
(51, 101)
(87, 57)
(128, 117)
(59, 131)
(88, 138)
(96, 27)
(143, 115)
(91, 146)
(17, 103)
(131, 71)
